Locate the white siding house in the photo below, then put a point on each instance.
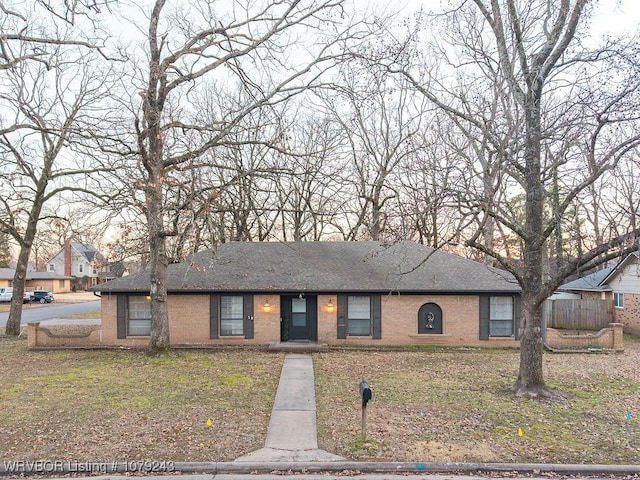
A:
(620, 284)
(78, 260)
(624, 282)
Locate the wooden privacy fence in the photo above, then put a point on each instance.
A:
(579, 314)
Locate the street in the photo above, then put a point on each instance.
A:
(52, 310)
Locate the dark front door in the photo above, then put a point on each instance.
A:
(300, 315)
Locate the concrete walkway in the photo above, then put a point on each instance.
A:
(292, 434)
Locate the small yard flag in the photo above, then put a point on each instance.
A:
(209, 422)
(628, 416)
(520, 432)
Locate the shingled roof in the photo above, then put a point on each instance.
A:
(403, 267)
(592, 282)
(8, 274)
(89, 252)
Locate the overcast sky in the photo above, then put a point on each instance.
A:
(613, 16)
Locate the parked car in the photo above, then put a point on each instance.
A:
(5, 294)
(27, 297)
(42, 296)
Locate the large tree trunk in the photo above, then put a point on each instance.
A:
(159, 341)
(153, 159)
(530, 380)
(15, 313)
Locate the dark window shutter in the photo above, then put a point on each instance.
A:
(213, 316)
(121, 316)
(342, 316)
(376, 314)
(517, 316)
(484, 317)
(248, 316)
(312, 317)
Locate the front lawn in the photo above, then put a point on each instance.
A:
(453, 405)
(106, 405)
(429, 405)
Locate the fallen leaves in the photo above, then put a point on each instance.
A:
(455, 405)
(122, 405)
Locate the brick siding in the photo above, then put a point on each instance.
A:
(38, 336)
(608, 338)
(189, 322)
(460, 322)
(629, 316)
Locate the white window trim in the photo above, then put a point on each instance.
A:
(350, 319)
(618, 296)
(512, 319)
(141, 319)
(241, 319)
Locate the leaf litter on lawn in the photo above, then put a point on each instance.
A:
(454, 405)
(105, 405)
(432, 405)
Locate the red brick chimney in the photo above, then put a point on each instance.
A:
(67, 258)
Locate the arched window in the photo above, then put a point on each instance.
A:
(430, 319)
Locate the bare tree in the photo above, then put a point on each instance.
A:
(536, 47)
(31, 31)
(244, 44)
(45, 106)
(428, 206)
(5, 250)
(380, 122)
(623, 195)
(305, 181)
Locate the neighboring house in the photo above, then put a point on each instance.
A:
(50, 281)
(337, 293)
(111, 271)
(6, 277)
(81, 261)
(621, 284)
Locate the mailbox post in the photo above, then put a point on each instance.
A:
(365, 396)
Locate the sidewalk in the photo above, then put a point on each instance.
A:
(292, 434)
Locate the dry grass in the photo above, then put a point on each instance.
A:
(85, 315)
(121, 405)
(429, 405)
(6, 306)
(454, 405)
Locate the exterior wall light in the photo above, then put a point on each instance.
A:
(330, 307)
(267, 306)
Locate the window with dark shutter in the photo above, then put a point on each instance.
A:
(359, 315)
(342, 316)
(121, 316)
(213, 316)
(376, 312)
(484, 317)
(248, 316)
(231, 315)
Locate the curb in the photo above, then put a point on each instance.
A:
(414, 467)
(51, 468)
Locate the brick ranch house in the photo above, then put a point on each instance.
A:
(50, 281)
(334, 293)
(620, 284)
